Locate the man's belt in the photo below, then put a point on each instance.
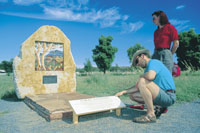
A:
(172, 91)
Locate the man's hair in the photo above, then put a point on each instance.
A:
(163, 17)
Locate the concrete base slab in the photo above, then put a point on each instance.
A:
(53, 106)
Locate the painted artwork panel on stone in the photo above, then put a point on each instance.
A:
(49, 56)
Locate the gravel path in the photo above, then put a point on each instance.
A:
(16, 117)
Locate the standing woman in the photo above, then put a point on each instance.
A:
(163, 36)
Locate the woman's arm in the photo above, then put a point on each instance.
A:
(175, 46)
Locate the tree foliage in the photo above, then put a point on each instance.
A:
(104, 53)
(88, 66)
(1, 66)
(7, 66)
(188, 52)
(133, 49)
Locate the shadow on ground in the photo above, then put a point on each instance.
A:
(126, 114)
(11, 96)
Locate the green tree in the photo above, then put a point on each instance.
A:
(188, 52)
(88, 66)
(1, 66)
(133, 49)
(7, 66)
(104, 53)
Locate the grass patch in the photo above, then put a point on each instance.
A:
(98, 84)
(187, 86)
(7, 87)
(10, 94)
(105, 85)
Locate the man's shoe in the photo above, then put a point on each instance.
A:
(145, 119)
(159, 110)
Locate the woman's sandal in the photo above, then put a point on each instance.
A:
(145, 119)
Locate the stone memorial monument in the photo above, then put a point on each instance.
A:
(44, 73)
(45, 64)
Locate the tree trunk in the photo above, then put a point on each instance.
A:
(45, 51)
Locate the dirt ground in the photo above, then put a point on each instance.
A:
(16, 116)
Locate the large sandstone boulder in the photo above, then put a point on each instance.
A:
(45, 64)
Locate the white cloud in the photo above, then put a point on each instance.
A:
(131, 27)
(27, 2)
(25, 15)
(78, 11)
(180, 24)
(105, 18)
(180, 7)
(182, 27)
(70, 4)
(125, 17)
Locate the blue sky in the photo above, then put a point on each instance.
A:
(84, 21)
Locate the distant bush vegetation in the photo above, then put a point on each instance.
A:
(116, 69)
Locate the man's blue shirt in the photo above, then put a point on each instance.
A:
(163, 77)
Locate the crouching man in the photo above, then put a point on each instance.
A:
(154, 87)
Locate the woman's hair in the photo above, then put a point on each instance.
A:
(163, 17)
